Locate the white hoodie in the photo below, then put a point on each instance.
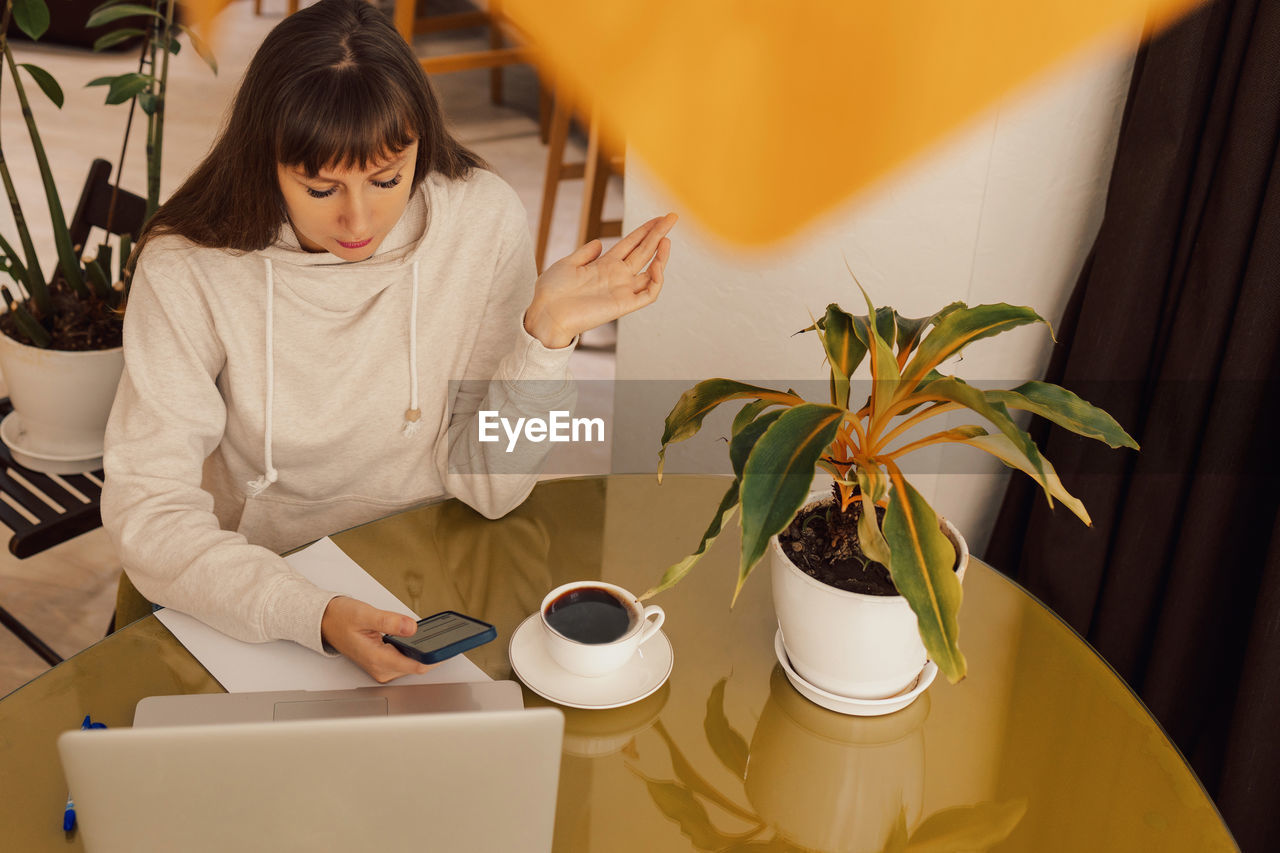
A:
(289, 374)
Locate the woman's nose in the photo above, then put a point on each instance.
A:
(355, 216)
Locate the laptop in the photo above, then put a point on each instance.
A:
(463, 782)
(381, 701)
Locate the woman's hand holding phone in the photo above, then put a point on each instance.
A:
(355, 629)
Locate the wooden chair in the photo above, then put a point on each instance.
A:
(43, 510)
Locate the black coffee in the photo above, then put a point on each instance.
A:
(589, 615)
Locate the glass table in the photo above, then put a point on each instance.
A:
(1041, 748)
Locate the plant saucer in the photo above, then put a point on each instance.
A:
(28, 452)
(849, 705)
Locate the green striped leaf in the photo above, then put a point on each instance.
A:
(777, 475)
(749, 413)
(911, 331)
(922, 562)
(961, 327)
(957, 391)
(744, 440)
(46, 83)
(675, 573)
(1003, 449)
(32, 17)
(870, 539)
(685, 418)
(845, 351)
(1066, 410)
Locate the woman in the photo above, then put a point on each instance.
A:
(315, 319)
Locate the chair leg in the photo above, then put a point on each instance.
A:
(595, 181)
(559, 134)
(23, 633)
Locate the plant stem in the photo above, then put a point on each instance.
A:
(155, 128)
(70, 264)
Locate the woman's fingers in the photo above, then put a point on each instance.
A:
(644, 250)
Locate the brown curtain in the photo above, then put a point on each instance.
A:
(1174, 327)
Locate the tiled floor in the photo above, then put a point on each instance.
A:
(67, 594)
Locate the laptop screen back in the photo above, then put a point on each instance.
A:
(462, 782)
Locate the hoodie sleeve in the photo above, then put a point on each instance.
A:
(168, 417)
(510, 375)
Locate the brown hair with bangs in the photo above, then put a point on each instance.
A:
(333, 85)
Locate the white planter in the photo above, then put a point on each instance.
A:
(848, 643)
(62, 400)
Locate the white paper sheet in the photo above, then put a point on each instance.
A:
(282, 665)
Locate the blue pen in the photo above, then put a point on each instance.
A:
(69, 813)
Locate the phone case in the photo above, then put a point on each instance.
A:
(444, 652)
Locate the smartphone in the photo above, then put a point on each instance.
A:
(442, 636)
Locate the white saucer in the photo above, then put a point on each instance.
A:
(28, 452)
(847, 705)
(644, 674)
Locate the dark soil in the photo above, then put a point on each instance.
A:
(76, 324)
(822, 541)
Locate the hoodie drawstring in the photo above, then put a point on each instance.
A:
(413, 415)
(269, 475)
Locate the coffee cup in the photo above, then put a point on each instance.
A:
(593, 628)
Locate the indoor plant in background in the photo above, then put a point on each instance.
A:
(865, 645)
(60, 347)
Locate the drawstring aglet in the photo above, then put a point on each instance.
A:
(412, 418)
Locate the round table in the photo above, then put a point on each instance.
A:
(1041, 748)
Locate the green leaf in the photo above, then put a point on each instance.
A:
(777, 475)
(201, 47)
(148, 102)
(101, 81)
(26, 323)
(1000, 447)
(921, 564)
(1066, 410)
(977, 827)
(32, 17)
(870, 539)
(106, 14)
(98, 279)
(685, 418)
(15, 266)
(957, 391)
(126, 249)
(845, 351)
(46, 82)
(675, 573)
(911, 331)
(748, 413)
(744, 440)
(174, 46)
(126, 86)
(961, 327)
(115, 37)
(728, 745)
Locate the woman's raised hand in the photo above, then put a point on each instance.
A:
(588, 289)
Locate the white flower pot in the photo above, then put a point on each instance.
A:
(62, 400)
(847, 643)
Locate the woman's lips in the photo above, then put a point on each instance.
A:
(359, 245)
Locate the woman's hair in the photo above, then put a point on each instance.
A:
(333, 85)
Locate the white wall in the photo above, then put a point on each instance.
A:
(1003, 211)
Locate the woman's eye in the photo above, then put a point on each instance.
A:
(321, 193)
(386, 185)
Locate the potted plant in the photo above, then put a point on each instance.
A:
(861, 644)
(61, 344)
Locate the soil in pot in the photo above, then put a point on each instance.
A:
(822, 541)
(77, 324)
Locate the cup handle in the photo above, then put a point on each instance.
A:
(658, 617)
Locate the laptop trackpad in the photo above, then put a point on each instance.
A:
(328, 709)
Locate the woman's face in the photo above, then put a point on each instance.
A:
(348, 212)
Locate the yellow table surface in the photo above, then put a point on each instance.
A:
(1041, 748)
